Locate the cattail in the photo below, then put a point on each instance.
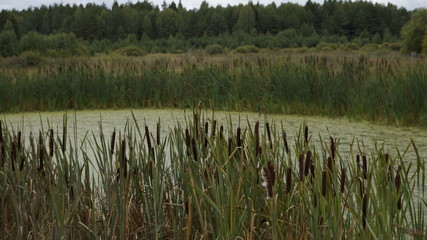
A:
(193, 144)
(365, 167)
(312, 170)
(301, 166)
(213, 128)
(113, 140)
(51, 143)
(206, 134)
(343, 176)
(333, 148)
(364, 209)
(147, 136)
(158, 133)
(256, 133)
(306, 135)
(398, 183)
(308, 162)
(19, 140)
(41, 151)
(267, 125)
(272, 172)
(386, 157)
(324, 183)
(285, 141)
(330, 165)
(196, 125)
(21, 166)
(13, 155)
(239, 140)
(267, 181)
(123, 158)
(288, 179)
(64, 134)
(187, 138)
(221, 132)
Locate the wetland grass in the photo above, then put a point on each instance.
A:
(194, 185)
(382, 89)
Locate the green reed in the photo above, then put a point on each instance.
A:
(207, 180)
(389, 90)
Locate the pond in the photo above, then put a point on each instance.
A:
(347, 132)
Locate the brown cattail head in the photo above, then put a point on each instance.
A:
(194, 147)
(267, 125)
(147, 136)
(288, 179)
(238, 139)
(343, 176)
(306, 135)
(213, 128)
(333, 148)
(364, 209)
(51, 150)
(308, 162)
(361, 186)
(285, 141)
(272, 172)
(324, 183)
(267, 181)
(13, 155)
(221, 132)
(123, 161)
(187, 138)
(19, 140)
(113, 140)
(41, 151)
(312, 170)
(365, 167)
(398, 183)
(301, 167)
(386, 157)
(1, 132)
(158, 133)
(64, 134)
(257, 141)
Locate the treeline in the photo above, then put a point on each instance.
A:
(78, 29)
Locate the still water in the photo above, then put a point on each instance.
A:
(359, 133)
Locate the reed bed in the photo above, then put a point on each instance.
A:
(205, 180)
(381, 89)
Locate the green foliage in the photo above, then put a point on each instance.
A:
(425, 42)
(413, 32)
(214, 49)
(370, 47)
(350, 47)
(246, 49)
(133, 51)
(8, 40)
(31, 58)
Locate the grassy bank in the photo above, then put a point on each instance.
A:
(382, 89)
(204, 180)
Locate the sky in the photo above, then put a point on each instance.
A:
(189, 4)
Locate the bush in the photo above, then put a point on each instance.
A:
(133, 51)
(326, 46)
(214, 49)
(350, 47)
(246, 49)
(370, 47)
(31, 58)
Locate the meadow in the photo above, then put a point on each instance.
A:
(386, 89)
(205, 180)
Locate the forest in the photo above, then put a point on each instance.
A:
(67, 30)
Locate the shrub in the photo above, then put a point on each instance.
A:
(246, 49)
(350, 47)
(133, 51)
(370, 47)
(323, 45)
(214, 49)
(31, 58)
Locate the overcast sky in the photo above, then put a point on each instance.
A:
(189, 4)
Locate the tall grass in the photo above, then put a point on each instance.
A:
(382, 89)
(203, 181)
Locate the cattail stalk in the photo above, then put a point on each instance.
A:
(158, 133)
(364, 210)
(194, 147)
(257, 141)
(51, 150)
(285, 141)
(365, 167)
(398, 183)
(147, 136)
(267, 125)
(123, 162)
